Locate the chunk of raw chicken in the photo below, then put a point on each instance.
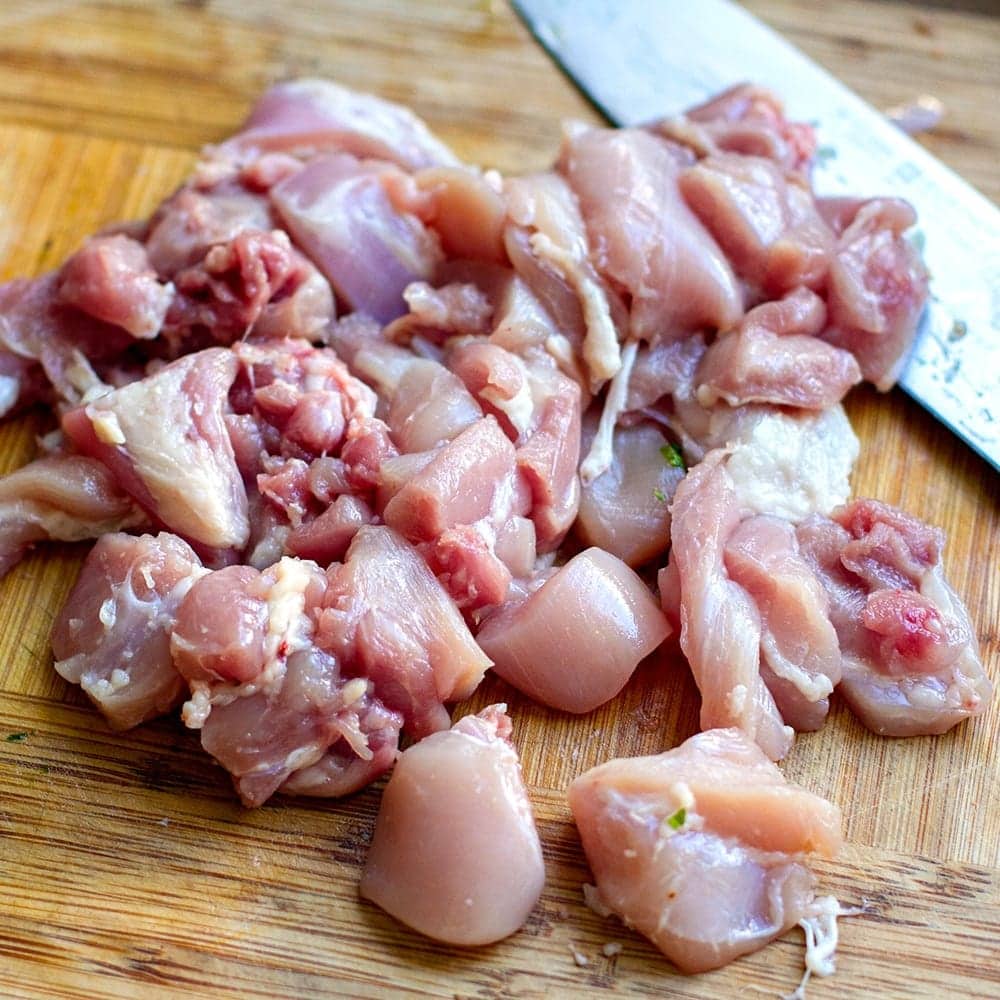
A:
(61, 497)
(764, 218)
(877, 286)
(645, 239)
(911, 663)
(701, 848)
(165, 440)
(456, 854)
(308, 116)
(744, 119)
(270, 705)
(775, 357)
(111, 279)
(338, 211)
(720, 624)
(112, 636)
(385, 613)
(575, 641)
(626, 510)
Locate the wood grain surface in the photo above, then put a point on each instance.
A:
(127, 867)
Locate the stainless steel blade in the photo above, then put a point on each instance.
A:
(643, 59)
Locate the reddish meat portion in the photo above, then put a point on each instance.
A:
(327, 538)
(388, 616)
(338, 211)
(112, 636)
(575, 641)
(308, 116)
(775, 357)
(254, 283)
(65, 498)
(111, 279)
(877, 288)
(764, 218)
(702, 848)
(165, 440)
(212, 209)
(911, 663)
(271, 706)
(455, 854)
(645, 239)
(462, 484)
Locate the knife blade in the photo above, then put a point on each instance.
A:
(638, 61)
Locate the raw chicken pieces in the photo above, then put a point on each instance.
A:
(398, 419)
(455, 853)
(702, 848)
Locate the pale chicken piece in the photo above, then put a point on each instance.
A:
(776, 357)
(701, 848)
(911, 663)
(877, 286)
(800, 652)
(429, 407)
(112, 636)
(574, 642)
(308, 116)
(764, 218)
(455, 854)
(720, 624)
(61, 497)
(544, 210)
(111, 279)
(626, 510)
(644, 238)
(165, 440)
(386, 613)
(338, 211)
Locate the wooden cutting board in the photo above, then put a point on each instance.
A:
(128, 869)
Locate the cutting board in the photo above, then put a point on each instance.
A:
(127, 867)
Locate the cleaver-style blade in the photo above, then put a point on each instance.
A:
(639, 60)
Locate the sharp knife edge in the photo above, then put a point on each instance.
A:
(638, 60)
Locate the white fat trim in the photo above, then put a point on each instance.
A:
(106, 426)
(600, 345)
(519, 408)
(812, 687)
(600, 456)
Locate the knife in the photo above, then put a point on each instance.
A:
(639, 60)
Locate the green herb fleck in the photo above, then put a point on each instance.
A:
(16, 737)
(678, 819)
(672, 457)
(658, 494)
(825, 153)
